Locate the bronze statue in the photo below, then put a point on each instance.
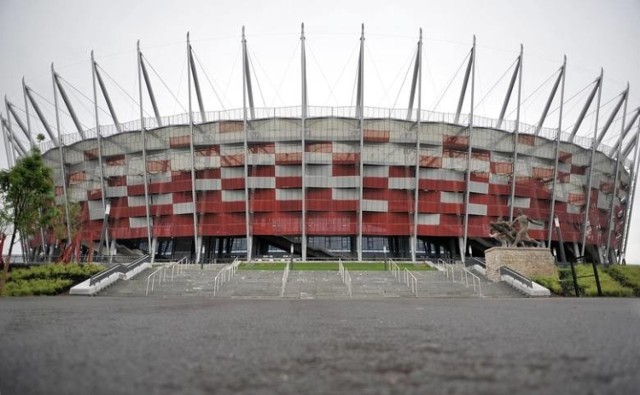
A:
(502, 231)
(522, 237)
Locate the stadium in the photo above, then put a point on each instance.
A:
(320, 182)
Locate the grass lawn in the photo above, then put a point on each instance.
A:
(628, 275)
(588, 287)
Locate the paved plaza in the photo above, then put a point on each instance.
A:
(204, 345)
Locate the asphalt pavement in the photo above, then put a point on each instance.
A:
(199, 345)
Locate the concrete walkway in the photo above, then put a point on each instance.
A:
(267, 284)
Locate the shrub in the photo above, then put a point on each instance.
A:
(48, 279)
(609, 286)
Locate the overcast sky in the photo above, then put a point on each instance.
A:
(593, 34)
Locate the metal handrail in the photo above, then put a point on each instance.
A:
(474, 279)
(285, 278)
(176, 267)
(394, 269)
(119, 268)
(515, 275)
(225, 275)
(411, 281)
(346, 277)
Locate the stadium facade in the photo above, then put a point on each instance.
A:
(337, 181)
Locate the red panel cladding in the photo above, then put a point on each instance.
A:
(222, 224)
(479, 177)
(281, 223)
(377, 136)
(544, 173)
(168, 187)
(498, 210)
(499, 189)
(78, 176)
(288, 205)
(182, 197)
(262, 148)
(158, 166)
(294, 158)
(565, 157)
(180, 141)
(402, 171)
(213, 150)
(207, 174)
(91, 154)
(325, 147)
(481, 155)
(230, 126)
(319, 194)
(344, 170)
(452, 208)
(263, 200)
(375, 194)
(581, 170)
(233, 207)
(288, 182)
(232, 160)
(93, 194)
(346, 158)
(262, 171)
(382, 224)
(173, 225)
(232, 183)
(430, 161)
(115, 160)
(453, 141)
(333, 205)
(501, 167)
(331, 223)
(135, 190)
(161, 209)
(375, 182)
(480, 198)
(526, 139)
(441, 185)
(117, 181)
(180, 176)
(400, 200)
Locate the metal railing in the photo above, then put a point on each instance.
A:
(394, 269)
(225, 275)
(346, 277)
(161, 273)
(474, 280)
(285, 278)
(119, 268)
(411, 281)
(516, 276)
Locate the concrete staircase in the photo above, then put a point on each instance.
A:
(257, 284)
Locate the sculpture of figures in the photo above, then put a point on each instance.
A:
(522, 237)
(502, 231)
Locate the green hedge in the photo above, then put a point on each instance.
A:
(552, 283)
(587, 282)
(50, 279)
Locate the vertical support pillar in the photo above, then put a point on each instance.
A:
(303, 67)
(472, 65)
(552, 215)
(100, 162)
(8, 147)
(611, 222)
(516, 134)
(144, 148)
(360, 115)
(196, 238)
(245, 122)
(61, 155)
(634, 179)
(586, 222)
(416, 194)
(27, 116)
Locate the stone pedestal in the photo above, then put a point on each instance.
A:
(528, 261)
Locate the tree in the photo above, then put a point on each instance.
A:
(26, 191)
